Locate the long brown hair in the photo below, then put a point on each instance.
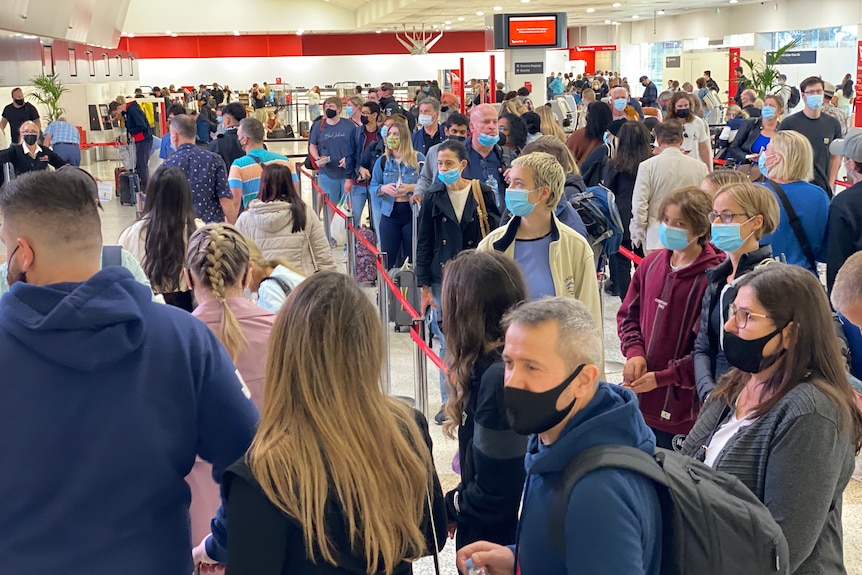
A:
(311, 447)
(218, 259)
(276, 185)
(478, 288)
(792, 295)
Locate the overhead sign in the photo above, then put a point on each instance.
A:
(278, 81)
(602, 48)
(532, 31)
(797, 57)
(673, 61)
(529, 67)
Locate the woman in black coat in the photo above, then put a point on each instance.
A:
(755, 133)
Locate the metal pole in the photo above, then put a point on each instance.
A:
(351, 250)
(327, 221)
(420, 382)
(493, 82)
(463, 86)
(383, 308)
(414, 236)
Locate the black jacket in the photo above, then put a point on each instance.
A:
(365, 158)
(23, 163)
(264, 541)
(441, 237)
(741, 85)
(623, 187)
(752, 111)
(492, 462)
(650, 96)
(227, 146)
(389, 106)
(744, 140)
(709, 360)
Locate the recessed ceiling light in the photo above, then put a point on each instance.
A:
(635, 17)
(174, 35)
(236, 32)
(447, 22)
(525, 1)
(615, 23)
(734, 1)
(480, 13)
(168, 32)
(616, 4)
(660, 12)
(300, 32)
(378, 31)
(386, 29)
(607, 21)
(131, 34)
(448, 28)
(460, 18)
(590, 10)
(497, 8)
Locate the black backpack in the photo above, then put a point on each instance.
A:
(285, 287)
(794, 97)
(712, 523)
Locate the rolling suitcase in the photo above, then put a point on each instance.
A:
(405, 279)
(130, 187)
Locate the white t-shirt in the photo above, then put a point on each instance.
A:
(694, 133)
(724, 434)
(459, 200)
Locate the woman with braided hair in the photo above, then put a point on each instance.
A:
(218, 268)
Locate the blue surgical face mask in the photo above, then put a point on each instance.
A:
(620, 104)
(814, 101)
(761, 164)
(449, 177)
(489, 141)
(727, 237)
(605, 137)
(349, 110)
(219, 119)
(384, 131)
(518, 202)
(673, 238)
(768, 112)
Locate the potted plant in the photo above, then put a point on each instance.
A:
(48, 92)
(763, 75)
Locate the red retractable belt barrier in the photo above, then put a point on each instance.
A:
(633, 257)
(414, 330)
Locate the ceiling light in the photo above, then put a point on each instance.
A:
(525, 1)
(660, 12)
(447, 22)
(300, 32)
(497, 8)
(734, 1)
(480, 13)
(607, 21)
(615, 23)
(448, 28)
(590, 10)
(131, 34)
(635, 17)
(460, 18)
(168, 32)
(236, 32)
(174, 35)
(123, 34)
(378, 31)
(616, 4)
(386, 29)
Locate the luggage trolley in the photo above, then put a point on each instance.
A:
(126, 179)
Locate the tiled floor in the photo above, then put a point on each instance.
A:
(115, 218)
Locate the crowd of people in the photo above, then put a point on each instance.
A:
(223, 372)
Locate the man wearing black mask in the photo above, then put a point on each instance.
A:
(17, 113)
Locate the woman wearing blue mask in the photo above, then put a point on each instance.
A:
(788, 164)
(659, 316)
(557, 261)
(755, 133)
(456, 214)
(741, 215)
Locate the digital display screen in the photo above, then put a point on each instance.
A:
(532, 31)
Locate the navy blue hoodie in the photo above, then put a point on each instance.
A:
(613, 523)
(107, 398)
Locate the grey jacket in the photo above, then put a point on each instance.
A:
(797, 459)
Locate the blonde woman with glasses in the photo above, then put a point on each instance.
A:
(322, 490)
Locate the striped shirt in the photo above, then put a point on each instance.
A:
(245, 172)
(63, 133)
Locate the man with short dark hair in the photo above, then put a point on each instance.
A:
(217, 94)
(668, 170)
(819, 129)
(373, 95)
(710, 83)
(211, 196)
(741, 85)
(227, 144)
(649, 99)
(612, 520)
(431, 132)
(245, 171)
(109, 396)
(389, 106)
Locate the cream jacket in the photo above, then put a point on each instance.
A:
(270, 224)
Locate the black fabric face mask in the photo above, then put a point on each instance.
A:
(330, 113)
(364, 120)
(682, 113)
(19, 102)
(529, 412)
(458, 138)
(30, 139)
(747, 354)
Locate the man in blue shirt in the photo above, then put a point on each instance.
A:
(486, 159)
(613, 520)
(211, 196)
(431, 132)
(245, 172)
(64, 139)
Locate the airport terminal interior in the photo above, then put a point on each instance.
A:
(97, 50)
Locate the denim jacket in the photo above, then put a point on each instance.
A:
(389, 175)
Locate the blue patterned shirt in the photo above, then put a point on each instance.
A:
(63, 133)
(207, 177)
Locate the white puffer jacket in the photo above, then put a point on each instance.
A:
(270, 224)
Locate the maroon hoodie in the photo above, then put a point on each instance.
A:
(658, 320)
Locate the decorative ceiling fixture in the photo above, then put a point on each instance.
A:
(418, 43)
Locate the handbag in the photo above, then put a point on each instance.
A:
(481, 209)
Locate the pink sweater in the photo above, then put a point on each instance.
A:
(256, 324)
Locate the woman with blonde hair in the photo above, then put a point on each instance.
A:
(393, 180)
(513, 106)
(734, 117)
(788, 165)
(313, 103)
(322, 490)
(218, 269)
(550, 127)
(716, 179)
(272, 279)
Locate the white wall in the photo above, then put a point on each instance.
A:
(240, 73)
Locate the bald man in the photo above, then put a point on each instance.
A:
(487, 161)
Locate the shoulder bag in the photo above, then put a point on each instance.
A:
(482, 211)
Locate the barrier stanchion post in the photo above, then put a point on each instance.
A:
(420, 381)
(414, 209)
(383, 307)
(327, 221)
(351, 250)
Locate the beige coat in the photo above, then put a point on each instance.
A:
(269, 224)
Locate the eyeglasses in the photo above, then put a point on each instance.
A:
(726, 217)
(742, 315)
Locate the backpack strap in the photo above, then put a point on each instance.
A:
(617, 456)
(795, 223)
(257, 160)
(112, 256)
(285, 287)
